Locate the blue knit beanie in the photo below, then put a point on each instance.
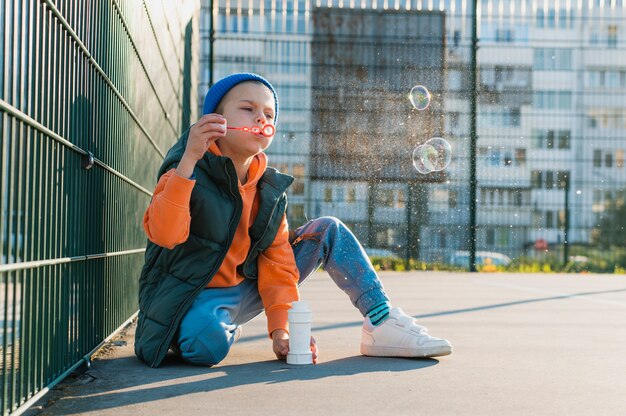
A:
(221, 88)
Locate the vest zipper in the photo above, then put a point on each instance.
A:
(169, 329)
(264, 232)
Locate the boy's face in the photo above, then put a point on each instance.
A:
(246, 105)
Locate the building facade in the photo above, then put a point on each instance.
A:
(550, 116)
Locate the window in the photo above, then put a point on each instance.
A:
(494, 157)
(550, 139)
(454, 120)
(456, 39)
(593, 79)
(539, 62)
(520, 157)
(563, 138)
(612, 36)
(551, 18)
(385, 198)
(612, 79)
(560, 219)
(561, 179)
(339, 194)
(550, 21)
(297, 188)
(400, 203)
(562, 19)
(608, 160)
(553, 100)
(565, 100)
(439, 196)
(298, 184)
(539, 18)
(504, 35)
(282, 167)
(537, 219)
(234, 19)
(503, 236)
(514, 117)
(537, 139)
(597, 204)
(549, 219)
(455, 80)
(505, 117)
(619, 158)
(490, 236)
(351, 198)
(549, 179)
(328, 194)
(552, 59)
(452, 199)
(536, 178)
(597, 158)
(297, 212)
(442, 239)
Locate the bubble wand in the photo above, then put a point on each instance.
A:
(267, 130)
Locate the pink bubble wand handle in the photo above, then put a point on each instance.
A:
(267, 130)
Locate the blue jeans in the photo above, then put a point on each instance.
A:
(207, 331)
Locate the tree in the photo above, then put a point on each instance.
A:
(611, 228)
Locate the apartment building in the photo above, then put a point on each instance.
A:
(551, 115)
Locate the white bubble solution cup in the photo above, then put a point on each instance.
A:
(300, 317)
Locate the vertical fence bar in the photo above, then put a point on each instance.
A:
(473, 138)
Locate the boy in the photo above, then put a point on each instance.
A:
(220, 249)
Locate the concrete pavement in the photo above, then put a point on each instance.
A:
(540, 344)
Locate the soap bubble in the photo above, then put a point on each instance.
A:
(432, 156)
(444, 152)
(422, 158)
(420, 97)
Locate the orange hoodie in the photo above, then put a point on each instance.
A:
(167, 220)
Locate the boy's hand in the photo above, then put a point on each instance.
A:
(280, 340)
(209, 128)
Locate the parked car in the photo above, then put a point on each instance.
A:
(579, 259)
(461, 258)
(380, 252)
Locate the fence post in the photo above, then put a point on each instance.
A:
(472, 198)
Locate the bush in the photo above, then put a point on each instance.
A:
(397, 264)
(550, 264)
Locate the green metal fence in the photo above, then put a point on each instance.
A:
(92, 95)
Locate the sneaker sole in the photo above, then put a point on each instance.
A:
(375, 351)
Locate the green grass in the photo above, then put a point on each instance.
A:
(610, 260)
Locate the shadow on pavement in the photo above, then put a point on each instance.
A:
(456, 311)
(152, 385)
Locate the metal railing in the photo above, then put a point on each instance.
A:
(87, 112)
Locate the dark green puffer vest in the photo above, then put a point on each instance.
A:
(171, 279)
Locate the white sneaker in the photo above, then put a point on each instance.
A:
(400, 336)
